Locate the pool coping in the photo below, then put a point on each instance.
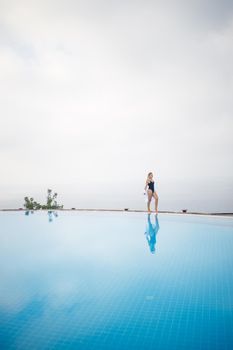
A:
(229, 215)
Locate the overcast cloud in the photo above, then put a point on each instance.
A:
(94, 94)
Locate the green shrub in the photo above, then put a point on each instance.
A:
(51, 202)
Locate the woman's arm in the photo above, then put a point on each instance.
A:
(146, 185)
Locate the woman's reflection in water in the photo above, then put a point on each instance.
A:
(151, 232)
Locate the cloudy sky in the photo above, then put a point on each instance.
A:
(94, 94)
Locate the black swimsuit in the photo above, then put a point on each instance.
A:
(151, 186)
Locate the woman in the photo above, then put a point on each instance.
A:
(151, 192)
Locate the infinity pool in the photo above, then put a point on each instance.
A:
(106, 280)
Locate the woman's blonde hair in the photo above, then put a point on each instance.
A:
(150, 174)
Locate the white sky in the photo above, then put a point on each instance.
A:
(94, 94)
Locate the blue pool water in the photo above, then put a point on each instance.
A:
(106, 280)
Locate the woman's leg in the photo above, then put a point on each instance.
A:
(149, 194)
(156, 197)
